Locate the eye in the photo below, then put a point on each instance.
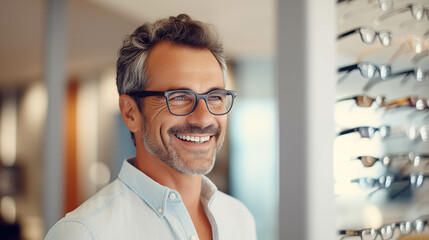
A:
(215, 98)
(178, 98)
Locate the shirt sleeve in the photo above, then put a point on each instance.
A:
(70, 230)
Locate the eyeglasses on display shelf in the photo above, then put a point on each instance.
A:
(388, 231)
(418, 73)
(365, 101)
(384, 5)
(411, 132)
(418, 11)
(367, 132)
(367, 70)
(368, 35)
(412, 44)
(407, 44)
(381, 151)
(415, 180)
(414, 159)
(419, 103)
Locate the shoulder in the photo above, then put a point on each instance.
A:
(70, 229)
(227, 203)
(226, 206)
(234, 219)
(106, 198)
(79, 224)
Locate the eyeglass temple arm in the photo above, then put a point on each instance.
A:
(347, 131)
(143, 94)
(348, 68)
(345, 34)
(401, 50)
(346, 99)
(418, 57)
(390, 14)
(375, 48)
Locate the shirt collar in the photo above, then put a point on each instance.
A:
(155, 194)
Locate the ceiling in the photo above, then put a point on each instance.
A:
(95, 29)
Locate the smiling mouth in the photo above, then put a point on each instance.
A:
(193, 138)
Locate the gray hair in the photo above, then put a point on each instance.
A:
(182, 30)
(131, 65)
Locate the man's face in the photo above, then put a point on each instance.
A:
(171, 67)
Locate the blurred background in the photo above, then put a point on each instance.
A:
(61, 134)
(381, 188)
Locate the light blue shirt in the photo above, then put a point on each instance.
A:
(136, 207)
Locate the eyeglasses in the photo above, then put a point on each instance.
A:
(411, 101)
(414, 159)
(367, 132)
(384, 6)
(417, 11)
(184, 102)
(368, 70)
(418, 73)
(368, 35)
(405, 228)
(364, 234)
(365, 101)
(415, 179)
(387, 231)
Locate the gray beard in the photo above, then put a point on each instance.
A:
(170, 157)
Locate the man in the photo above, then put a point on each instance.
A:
(171, 82)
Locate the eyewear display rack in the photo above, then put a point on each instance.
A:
(381, 150)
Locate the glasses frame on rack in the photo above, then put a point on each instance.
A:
(368, 35)
(368, 70)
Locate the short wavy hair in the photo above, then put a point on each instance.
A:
(182, 30)
(131, 65)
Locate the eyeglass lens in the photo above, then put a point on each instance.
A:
(416, 180)
(387, 231)
(385, 4)
(368, 161)
(368, 132)
(368, 70)
(368, 36)
(183, 102)
(364, 101)
(405, 228)
(369, 234)
(418, 11)
(419, 74)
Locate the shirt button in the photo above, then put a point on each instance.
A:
(172, 196)
(193, 237)
(160, 210)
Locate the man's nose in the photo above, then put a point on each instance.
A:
(201, 116)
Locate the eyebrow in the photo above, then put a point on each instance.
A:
(211, 89)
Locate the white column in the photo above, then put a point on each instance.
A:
(54, 70)
(306, 80)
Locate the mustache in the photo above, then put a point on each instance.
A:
(188, 128)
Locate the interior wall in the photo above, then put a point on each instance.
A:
(306, 90)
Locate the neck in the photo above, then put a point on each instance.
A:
(188, 186)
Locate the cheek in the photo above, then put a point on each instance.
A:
(222, 121)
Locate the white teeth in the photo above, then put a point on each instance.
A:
(194, 139)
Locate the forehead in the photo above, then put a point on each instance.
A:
(172, 66)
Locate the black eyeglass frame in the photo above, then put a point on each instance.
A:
(360, 66)
(367, 132)
(166, 94)
(359, 30)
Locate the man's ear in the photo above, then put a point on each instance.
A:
(130, 113)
